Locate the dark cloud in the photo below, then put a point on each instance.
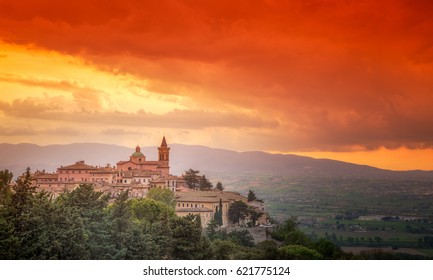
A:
(326, 75)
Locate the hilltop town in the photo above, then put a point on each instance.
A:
(138, 175)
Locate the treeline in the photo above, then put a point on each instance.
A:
(83, 224)
(86, 224)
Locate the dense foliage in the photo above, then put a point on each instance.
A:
(86, 224)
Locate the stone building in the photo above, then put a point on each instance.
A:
(137, 161)
(78, 172)
(137, 175)
(205, 204)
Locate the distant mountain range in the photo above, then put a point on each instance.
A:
(210, 161)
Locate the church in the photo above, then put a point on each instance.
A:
(137, 161)
(137, 175)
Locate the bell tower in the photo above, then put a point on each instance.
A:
(164, 152)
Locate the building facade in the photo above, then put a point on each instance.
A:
(137, 175)
(137, 161)
(206, 204)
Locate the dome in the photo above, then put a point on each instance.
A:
(138, 152)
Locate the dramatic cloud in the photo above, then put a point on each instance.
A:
(18, 131)
(273, 75)
(31, 108)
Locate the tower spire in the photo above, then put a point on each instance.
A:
(164, 142)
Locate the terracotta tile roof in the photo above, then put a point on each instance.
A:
(45, 176)
(160, 180)
(79, 165)
(140, 163)
(194, 209)
(208, 196)
(141, 173)
(103, 170)
(149, 163)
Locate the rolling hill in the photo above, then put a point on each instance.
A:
(211, 161)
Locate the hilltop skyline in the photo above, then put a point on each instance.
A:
(341, 80)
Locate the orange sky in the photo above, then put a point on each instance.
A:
(350, 80)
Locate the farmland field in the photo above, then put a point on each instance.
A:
(351, 212)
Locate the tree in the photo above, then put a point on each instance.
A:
(254, 215)
(163, 236)
(297, 237)
(149, 211)
(96, 220)
(218, 216)
(205, 185)
(251, 196)
(268, 250)
(243, 238)
(238, 210)
(192, 179)
(163, 195)
(5, 186)
(9, 243)
(187, 237)
(150, 234)
(223, 249)
(219, 186)
(281, 231)
(298, 252)
(196, 182)
(60, 231)
(18, 214)
(141, 244)
(327, 249)
(378, 239)
(23, 193)
(121, 217)
(211, 229)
